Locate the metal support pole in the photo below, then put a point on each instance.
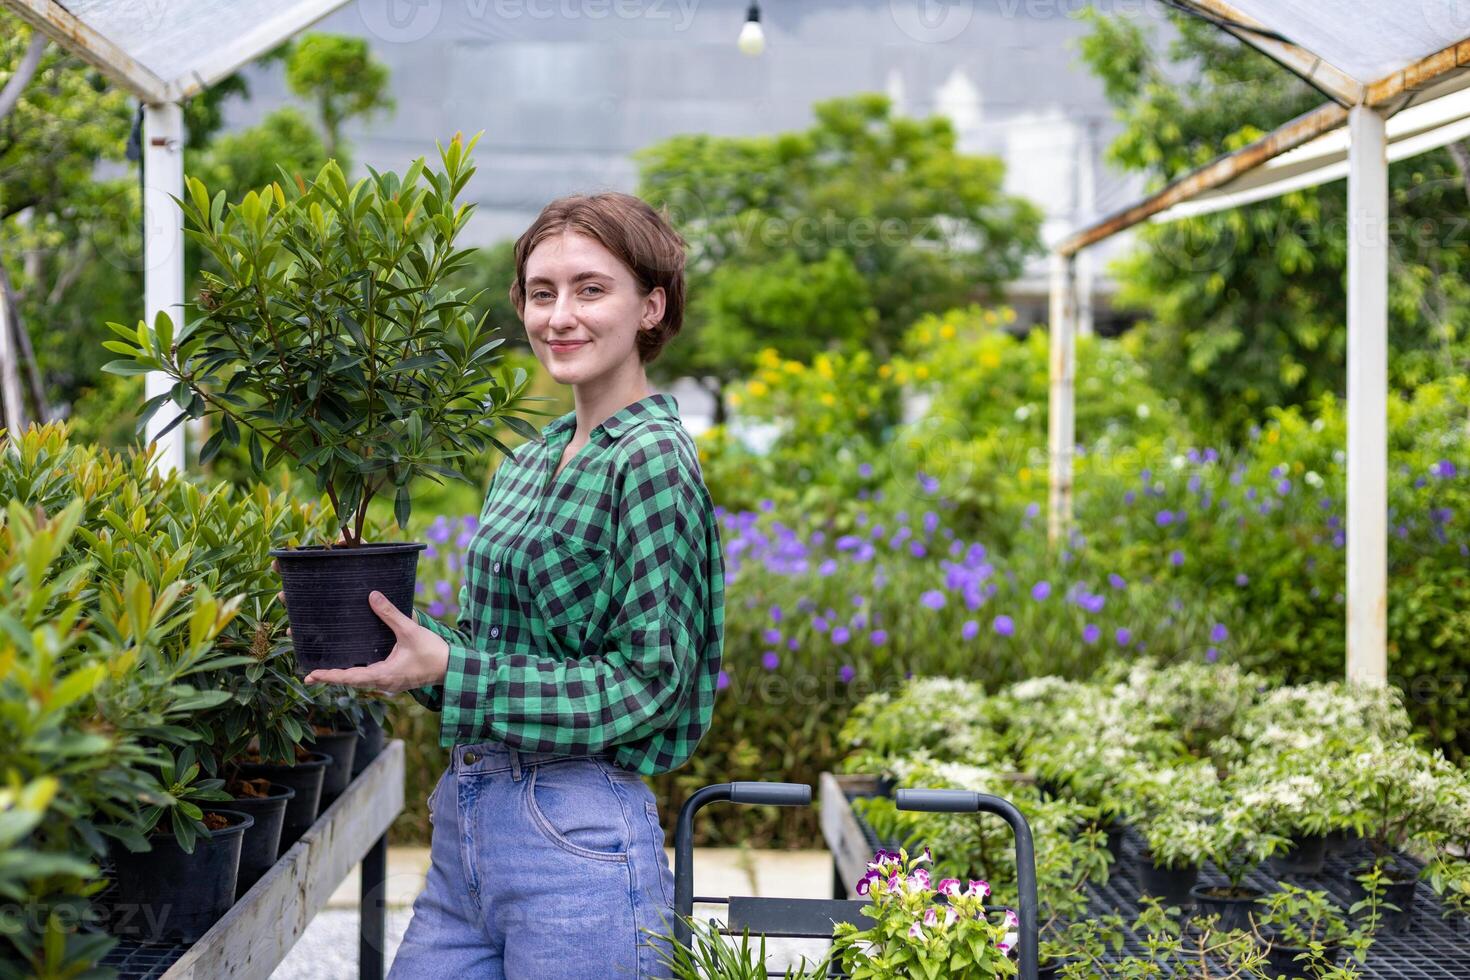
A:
(163, 257)
(1062, 398)
(1367, 398)
(372, 911)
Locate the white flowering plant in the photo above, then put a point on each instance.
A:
(912, 936)
(1406, 798)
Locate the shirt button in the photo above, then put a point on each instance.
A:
(497, 566)
(495, 631)
(470, 758)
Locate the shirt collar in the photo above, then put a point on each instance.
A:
(659, 405)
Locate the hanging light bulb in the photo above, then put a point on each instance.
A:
(752, 39)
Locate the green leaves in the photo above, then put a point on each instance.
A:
(345, 343)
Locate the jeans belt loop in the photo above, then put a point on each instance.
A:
(515, 765)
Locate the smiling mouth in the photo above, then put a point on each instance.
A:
(560, 346)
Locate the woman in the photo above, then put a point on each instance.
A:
(590, 630)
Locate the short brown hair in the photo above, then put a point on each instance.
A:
(630, 229)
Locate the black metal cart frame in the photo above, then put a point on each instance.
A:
(815, 918)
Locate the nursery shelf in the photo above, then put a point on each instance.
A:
(252, 938)
(1434, 948)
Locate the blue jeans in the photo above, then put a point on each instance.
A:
(544, 867)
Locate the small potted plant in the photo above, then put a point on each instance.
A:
(912, 936)
(1169, 804)
(1305, 932)
(184, 879)
(1403, 794)
(1236, 844)
(327, 335)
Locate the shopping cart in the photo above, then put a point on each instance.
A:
(815, 918)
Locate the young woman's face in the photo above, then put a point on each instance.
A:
(577, 291)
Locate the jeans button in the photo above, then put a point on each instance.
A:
(497, 566)
(494, 631)
(471, 758)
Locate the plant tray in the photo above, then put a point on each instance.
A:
(1434, 948)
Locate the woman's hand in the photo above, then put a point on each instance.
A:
(419, 656)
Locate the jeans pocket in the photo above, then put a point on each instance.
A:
(575, 805)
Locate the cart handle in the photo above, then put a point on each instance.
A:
(968, 801)
(755, 793)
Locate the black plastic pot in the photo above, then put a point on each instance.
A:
(1234, 910)
(1342, 842)
(262, 842)
(1401, 889)
(369, 745)
(332, 624)
(306, 779)
(1051, 968)
(1305, 856)
(165, 895)
(342, 747)
(1281, 960)
(1170, 884)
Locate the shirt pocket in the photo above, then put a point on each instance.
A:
(565, 575)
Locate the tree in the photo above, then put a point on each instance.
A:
(838, 235)
(341, 78)
(1247, 308)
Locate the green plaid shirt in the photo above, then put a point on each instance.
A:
(593, 606)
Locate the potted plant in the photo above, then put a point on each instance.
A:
(327, 335)
(1168, 804)
(1304, 933)
(332, 732)
(1236, 843)
(185, 877)
(1403, 795)
(912, 936)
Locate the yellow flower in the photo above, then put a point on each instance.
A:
(1273, 436)
(1025, 474)
(884, 370)
(947, 331)
(824, 366)
(828, 398)
(794, 367)
(757, 388)
(921, 372)
(990, 359)
(735, 399)
(1009, 315)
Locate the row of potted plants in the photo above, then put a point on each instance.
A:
(1214, 769)
(153, 712)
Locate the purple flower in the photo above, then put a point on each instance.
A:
(1004, 625)
(770, 660)
(1041, 590)
(1284, 487)
(1164, 518)
(1218, 633)
(1211, 655)
(878, 637)
(768, 504)
(917, 549)
(827, 567)
(1211, 456)
(722, 681)
(931, 521)
(1124, 636)
(1116, 581)
(820, 624)
(1033, 509)
(776, 614)
(1176, 558)
(865, 470)
(438, 532)
(1444, 469)
(436, 609)
(845, 673)
(932, 599)
(1242, 579)
(791, 644)
(840, 635)
(441, 587)
(1129, 497)
(430, 551)
(929, 483)
(970, 630)
(771, 635)
(1090, 633)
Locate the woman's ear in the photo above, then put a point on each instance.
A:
(653, 307)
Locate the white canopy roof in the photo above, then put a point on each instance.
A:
(166, 50)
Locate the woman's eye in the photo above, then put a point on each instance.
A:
(592, 286)
(540, 294)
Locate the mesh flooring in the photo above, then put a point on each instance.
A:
(1433, 948)
(132, 959)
